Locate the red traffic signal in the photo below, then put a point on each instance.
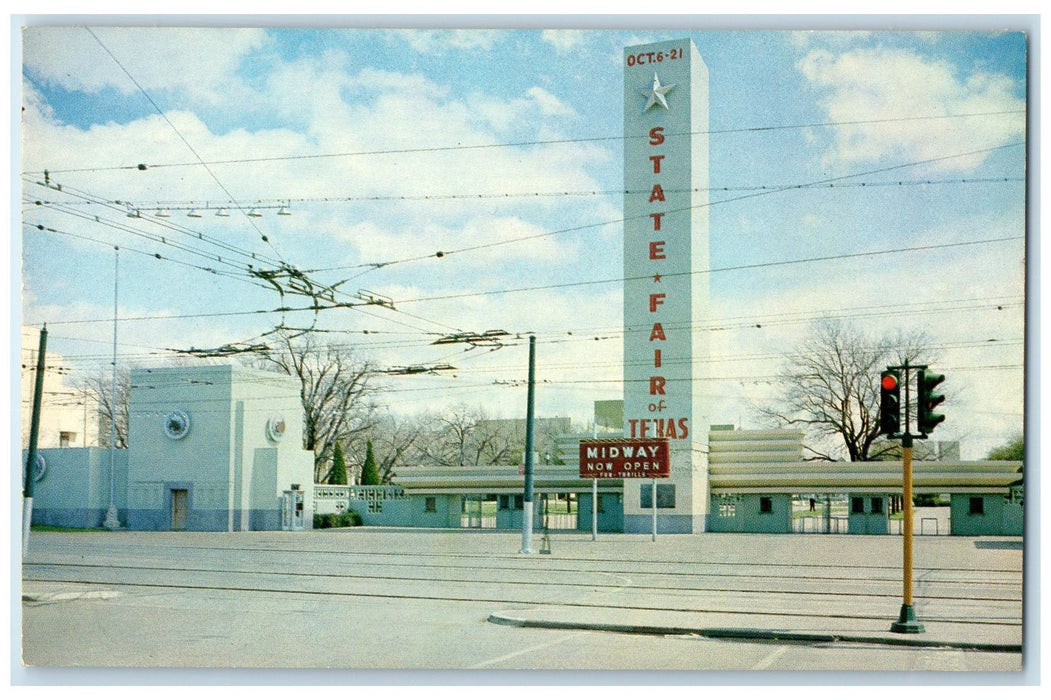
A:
(890, 403)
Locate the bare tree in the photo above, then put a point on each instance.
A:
(467, 436)
(395, 440)
(100, 390)
(830, 387)
(448, 436)
(335, 391)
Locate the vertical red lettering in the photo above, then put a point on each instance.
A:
(655, 301)
(656, 135)
(657, 250)
(657, 358)
(656, 386)
(657, 221)
(657, 194)
(656, 160)
(657, 333)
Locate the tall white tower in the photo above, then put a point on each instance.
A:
(666, 286)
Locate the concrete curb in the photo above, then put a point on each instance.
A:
(745, 633)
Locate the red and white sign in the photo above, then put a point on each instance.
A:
(624, 459)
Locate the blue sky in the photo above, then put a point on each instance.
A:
(389, 146)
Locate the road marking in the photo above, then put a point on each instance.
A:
(529, 650)
(770, 659)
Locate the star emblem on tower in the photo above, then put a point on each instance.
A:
(657, 94)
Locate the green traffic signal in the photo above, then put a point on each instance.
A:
(890, 403)
(926, 419)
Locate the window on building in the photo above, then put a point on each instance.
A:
(665, 496)
(977, 506)
(518, 502)
(601, 507)
(766, 504)
(503, 502)
(66, 438)
(877, 505)
(430, 505)
(857, 505)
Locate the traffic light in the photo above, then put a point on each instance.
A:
(890, 403)
(926, 419)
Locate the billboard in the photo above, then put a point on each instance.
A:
(624, 459)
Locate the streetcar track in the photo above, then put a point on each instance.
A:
(636, 606)
(895, 576)
(591, 585)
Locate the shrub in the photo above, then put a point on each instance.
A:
(349, 518)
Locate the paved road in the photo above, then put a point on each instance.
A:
(370, 598)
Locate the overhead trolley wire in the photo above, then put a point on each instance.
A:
(288, 201)
(516, 144)
(200, 160)
(751, 195)
(611, 280)
(68, 207)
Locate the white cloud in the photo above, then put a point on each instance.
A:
(564, 40)
(439, 40)
(863, 86)
(550, 106)
(156, 57)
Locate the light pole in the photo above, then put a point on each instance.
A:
(112, 522)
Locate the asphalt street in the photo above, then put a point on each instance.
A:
(360, 601)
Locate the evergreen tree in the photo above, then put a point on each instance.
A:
(338, 474)
(370, 476)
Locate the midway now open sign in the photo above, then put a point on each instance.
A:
(624, 459)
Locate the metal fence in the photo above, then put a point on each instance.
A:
(820, 525)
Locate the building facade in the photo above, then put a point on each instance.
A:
(69, 416)
(215, 448)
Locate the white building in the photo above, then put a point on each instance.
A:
(214, 448)
(68, 416)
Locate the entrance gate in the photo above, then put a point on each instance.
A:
(475, 512)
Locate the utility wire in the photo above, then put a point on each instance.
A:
(728, 268)
(518, 144)
(787, 188)
(87, 197)
(200, 161)
(288, 201)
(156, 256)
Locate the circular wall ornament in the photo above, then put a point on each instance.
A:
(275, 427)
(39, 467)
(177, 425)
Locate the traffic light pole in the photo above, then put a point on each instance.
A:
(906, 622)
(893, 426)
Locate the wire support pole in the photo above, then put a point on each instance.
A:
(111, 522)
(527, 496)
(34, 433)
